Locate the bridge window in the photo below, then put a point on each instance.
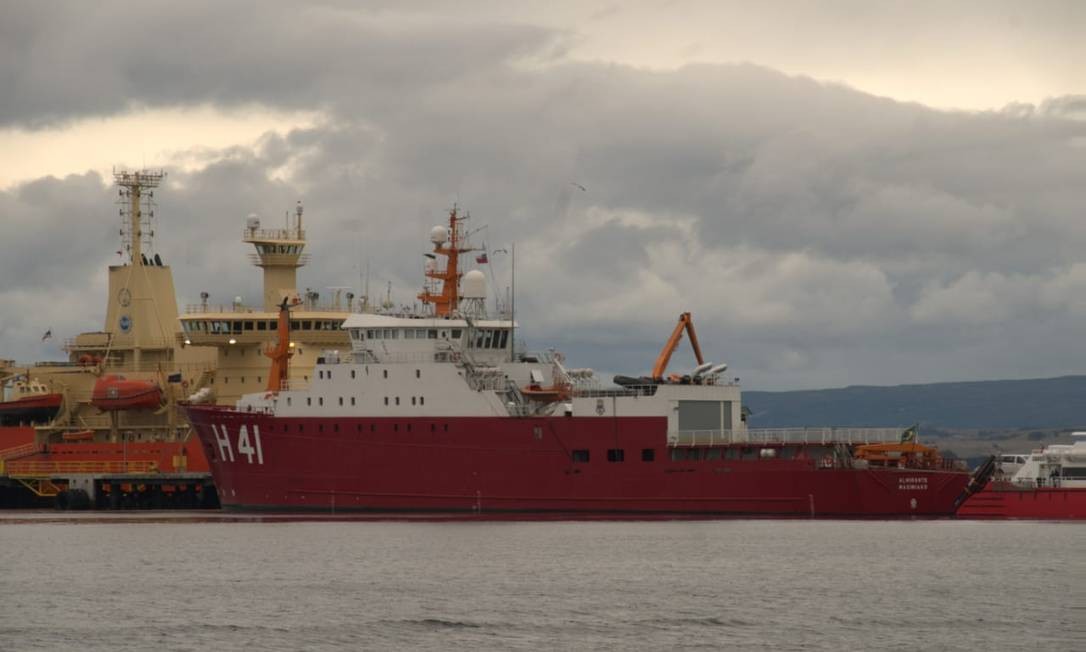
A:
(352, 400)
(648, 454)
(422, 400)
(386, 400)
(397, 400)
(352, 373)
(308, 400)
(418, 373)
(320, 400)
(341, 400)
(413, 399)
(456, 333)
(616, 455)
(580, 456)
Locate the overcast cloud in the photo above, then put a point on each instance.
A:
(821, 235)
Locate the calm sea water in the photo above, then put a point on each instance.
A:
(178, 582)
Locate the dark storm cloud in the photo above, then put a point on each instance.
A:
(820, 235)
(66, 60)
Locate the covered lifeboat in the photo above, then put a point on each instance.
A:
(115, 392)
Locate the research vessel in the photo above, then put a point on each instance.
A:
(440, 410)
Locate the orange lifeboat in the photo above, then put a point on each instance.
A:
(118, 393)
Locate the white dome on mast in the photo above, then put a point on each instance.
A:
(474, 285)
(439, 235)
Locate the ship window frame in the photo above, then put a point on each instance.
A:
(320, 401)
(247, 325)
(648, 454)
(409, 333)
(288, 401)
(712, 454)
(307, 324)
(262, 325)
(309, 400)
(352, 401)
(397, 400)
(616, 455)
(386, 400)
(422, 400)
(341, 400)
(413, 399)
(418, 373)
(431, 334)
(580, 456)
(456, 333)
(352, 374)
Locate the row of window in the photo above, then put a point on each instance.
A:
(582, 456)
(323, 374)
(279, 249)
(485, 338)
(415, 400)
(237, 326)
(405, 333)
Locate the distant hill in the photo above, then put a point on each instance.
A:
(1042, 403)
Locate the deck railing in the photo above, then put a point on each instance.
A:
(53, 468)
(784, 436)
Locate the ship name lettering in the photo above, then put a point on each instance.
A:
(912, 484)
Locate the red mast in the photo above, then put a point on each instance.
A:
(446, 299)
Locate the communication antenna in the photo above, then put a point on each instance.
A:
(135, 196)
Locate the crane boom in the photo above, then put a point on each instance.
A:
(685, 323)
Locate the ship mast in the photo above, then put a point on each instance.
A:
(279, 252)
(135, 229)
(450, 243)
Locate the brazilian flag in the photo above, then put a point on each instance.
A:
(909, 434)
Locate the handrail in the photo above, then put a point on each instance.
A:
(245, 309)
(46, 468)
(20, 451)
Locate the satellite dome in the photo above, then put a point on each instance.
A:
(474, 285)
(439, 235)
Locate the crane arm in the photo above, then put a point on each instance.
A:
(685, 323)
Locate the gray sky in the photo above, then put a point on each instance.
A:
(841, 192)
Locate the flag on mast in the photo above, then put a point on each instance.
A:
(47, 335)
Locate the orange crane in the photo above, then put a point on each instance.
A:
(687, 324)
(280, 353)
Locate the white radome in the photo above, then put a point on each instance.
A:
(439, 235)
(474, 285)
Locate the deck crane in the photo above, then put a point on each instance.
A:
(685, 323)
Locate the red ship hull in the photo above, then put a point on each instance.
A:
(495, 465)
(1003, 500)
